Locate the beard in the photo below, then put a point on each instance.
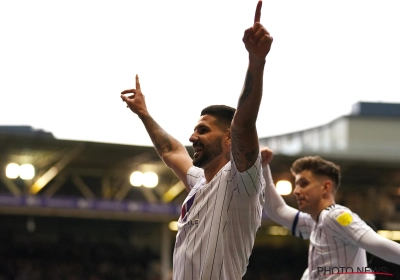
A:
(208, 154)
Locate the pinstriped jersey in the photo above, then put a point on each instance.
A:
(218, 224)
(333, 243)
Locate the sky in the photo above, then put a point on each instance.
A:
(63, 63)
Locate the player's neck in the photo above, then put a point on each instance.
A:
(213, 167)
(323, 205)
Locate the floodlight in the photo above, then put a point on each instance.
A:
(136, 179)
(278, 230)
(390, 234)
(26, 171)
(173, 226)
(150, 179)
(12, 170)
(284, 187)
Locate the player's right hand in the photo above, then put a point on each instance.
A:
(134, 99)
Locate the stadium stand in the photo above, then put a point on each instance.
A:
(79, 217)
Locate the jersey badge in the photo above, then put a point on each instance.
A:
(344, 219)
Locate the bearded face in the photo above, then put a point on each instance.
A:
(203, 155)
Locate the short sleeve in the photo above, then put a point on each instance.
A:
(193, 175)
(250, 182)
(302, 225)
(347, 224)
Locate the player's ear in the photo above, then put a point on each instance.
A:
(228, 137)
(327, 186)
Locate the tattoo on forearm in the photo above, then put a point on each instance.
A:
(160, 138)
(163, 143)
(248, 85)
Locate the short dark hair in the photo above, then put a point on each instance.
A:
(317, 166)
(224, 114)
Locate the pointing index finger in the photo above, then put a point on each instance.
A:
(257, 16)
(137, 82)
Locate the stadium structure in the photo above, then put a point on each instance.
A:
(74, 209)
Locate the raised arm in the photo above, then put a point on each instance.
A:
(170, 150)
(245, 145)
(274, 206)
(381, 247)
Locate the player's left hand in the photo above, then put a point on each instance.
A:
(257, 39)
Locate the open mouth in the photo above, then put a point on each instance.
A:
(197, 150)
(299, 201)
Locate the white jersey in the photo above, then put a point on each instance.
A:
(333, 250)
(218, 224)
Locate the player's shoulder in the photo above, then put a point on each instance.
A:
(340, 214)
(195, 172)
(194, 176)
(304, 219)
(255, 168)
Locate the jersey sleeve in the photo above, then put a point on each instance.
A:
(275, 206)
(302, 225)
(348, 225)
(193, 175)
(381, 247)
(250, 182)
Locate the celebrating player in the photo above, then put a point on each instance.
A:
(223, 210)
(338, 237)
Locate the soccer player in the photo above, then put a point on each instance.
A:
(338, 237)
(223, 210)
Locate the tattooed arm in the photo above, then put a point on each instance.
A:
(245, 145)
(170, 150)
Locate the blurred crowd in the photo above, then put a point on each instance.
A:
(67, 260)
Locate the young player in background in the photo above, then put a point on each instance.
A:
(338, 237)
